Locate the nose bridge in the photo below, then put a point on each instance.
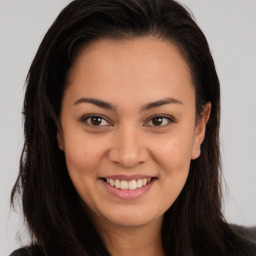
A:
(128, 148)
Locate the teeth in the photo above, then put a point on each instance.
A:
(124, 184)
(144, 182)
(131, 185)
(139, 183)
(117, 184)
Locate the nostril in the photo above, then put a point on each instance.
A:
(128, 156)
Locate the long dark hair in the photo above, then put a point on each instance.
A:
(194, 224)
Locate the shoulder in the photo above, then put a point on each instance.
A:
(20, 252)
(248, 233)
(28, 251)
(248, 236)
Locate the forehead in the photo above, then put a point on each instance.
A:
(143, 69)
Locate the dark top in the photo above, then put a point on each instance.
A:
(34, 251)
(248, 234)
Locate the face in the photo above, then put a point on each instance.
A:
(128, 128)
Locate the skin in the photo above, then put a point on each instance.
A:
(130, 74)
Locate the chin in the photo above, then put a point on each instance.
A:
(130, 221)
(131, 218)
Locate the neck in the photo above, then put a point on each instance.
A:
(136, 241)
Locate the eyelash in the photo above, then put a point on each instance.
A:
(85, 119)
(168, 118)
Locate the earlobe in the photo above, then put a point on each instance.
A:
(60, 141)
(195, 154)
(200, 131)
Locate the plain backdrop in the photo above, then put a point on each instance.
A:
(230, 27)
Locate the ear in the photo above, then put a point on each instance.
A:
(60, 140)
(200, 130)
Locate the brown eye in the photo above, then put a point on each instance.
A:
(160, 121)
(157, 121)
(94, 120)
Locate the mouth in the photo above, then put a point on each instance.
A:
(129, 184)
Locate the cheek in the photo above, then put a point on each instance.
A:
(174, 153)
(82, 158)
(83, 154)
(173, 156)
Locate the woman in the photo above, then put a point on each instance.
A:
(121, 152)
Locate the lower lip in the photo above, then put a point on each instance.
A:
(126, 193)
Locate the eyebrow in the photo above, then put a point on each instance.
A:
(97, 102)
(109, 106)
(160, 103)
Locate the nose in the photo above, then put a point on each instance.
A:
(128, 148)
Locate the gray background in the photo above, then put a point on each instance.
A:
(230, 27)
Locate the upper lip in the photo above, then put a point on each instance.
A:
(128, 177)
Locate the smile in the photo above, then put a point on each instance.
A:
(131, 185)
(125, 187)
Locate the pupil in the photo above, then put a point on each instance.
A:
(96, 120)
(157, 121)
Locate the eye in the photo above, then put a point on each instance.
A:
(160, 121)
(95, 121)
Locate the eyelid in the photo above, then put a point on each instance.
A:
(171, 119)
(86, 117)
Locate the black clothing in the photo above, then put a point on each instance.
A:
(247, 234)
(20, 252)
(33, 251)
